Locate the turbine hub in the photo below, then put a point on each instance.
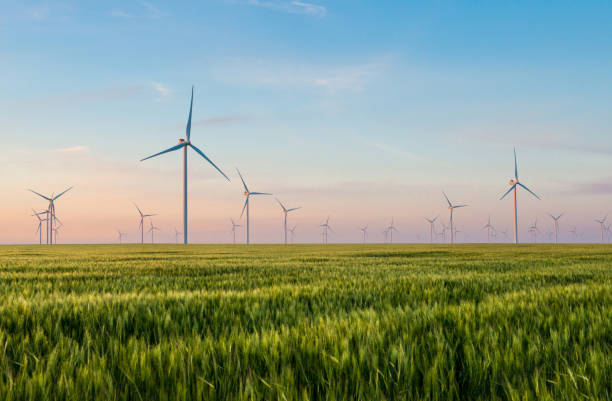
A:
(181, 140)
(246, 193)
(512, 182)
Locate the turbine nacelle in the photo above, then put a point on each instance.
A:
(512, 182)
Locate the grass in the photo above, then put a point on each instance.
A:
(306, 322)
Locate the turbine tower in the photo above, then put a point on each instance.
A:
(390, 229)
(292, 231)
(50, 213)
(234, 225)
(602, 223)
(184, 144)
(513, 184)
(285, 213)
(451, 208)
(556, 223)
(488, 227)
(431, 228)
(40, 221)
(142, 217)
(326, 227)
(120, 236)
(364, 230)
(248, 195)
(152, 231)
(533, 229)
(177, 234)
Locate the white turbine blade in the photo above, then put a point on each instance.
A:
(259, 193)
(458, 206)
(507, 192)
(208, 160)
(62, 193)
(281, 205)
(180, 145)
(528, 190)
(42, 196)
(137, 208)
(449, 202)
(515, 166)
(243, 183)
(294, 208)
(244, 207)
(188, 129)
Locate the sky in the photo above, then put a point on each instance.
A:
(363, 111)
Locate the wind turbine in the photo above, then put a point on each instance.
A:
(574, 233)
(556, 223)
(391, 228)
(248, 195)
(50, 212)
(444, 230)
(326, 227)
(505, 233)
(533, 229)
(184, 144)
(431, 228)
(56, 229)
(489, 227)
(513, 183)
(452, 207)
(286, 212)
(177, 234)
(142, 217)
(234, 225)
(40, 221)
(120, 236)
(364, 231)
(292, 231)
(152, 231)
(602, 222)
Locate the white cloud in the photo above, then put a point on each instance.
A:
(291, 7)
(146, 10)
(73, 149)
(161, 89)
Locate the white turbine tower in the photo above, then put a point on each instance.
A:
(152, 231)
(177, 234)
(326, 228)
(513, 184)
(285, 213)
(142, 217)
(248, 195)
(602, 223)
(292, 231)
(451, 208)
(390, 229)
(120, 236)
(488, 227)
(556, 223)
(364, 231)
(533, 229)
(184, 144)
(234, 226)
(431, 228)
(50, 213)
(39, 227)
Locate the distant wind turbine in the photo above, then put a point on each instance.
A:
(142, 217)
(177, 234)
(451, 207)
(152, 231)
(40, 221)
(602, 223)
(488, 227)
(292, 231)
(533, 229)
(513, 183)
(574, 233)
(248, 195)
(556, 225)
(431, 228)
(184, 144)
(364, 231)
(120, 236)
(234, 226)
(390, 229)
(326, 228)
(285, 213)
(50, 212)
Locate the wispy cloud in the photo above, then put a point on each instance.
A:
(292, 7)
(598, 187)
(145, 10)
(73, 149)
(161, 89)
(110, 93)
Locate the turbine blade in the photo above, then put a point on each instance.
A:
(528, 190)
(57, 196)
(458, 206)
(244, 207)
(449, 202)
(515, 166)
(242, 179)
(259, 193)
(137, 208)
(208, 160)
(507, 192)
(188, 129)
(180, 145)
(294, 208)
(42, 196)
(281, 205)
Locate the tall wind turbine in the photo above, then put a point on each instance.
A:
(120, 236)
(391, 228)
(285, 213)
(40, 221)
(50, 212)
(488, 227)
(247, 194)
(431, 228)
(234, 226)
(184, 144)
(292, 231)
(602, 223)
(142, 217)
(326, 227)
(513, 184)
(451, 208)
(152, 231)
(364, 231)
(556, 223)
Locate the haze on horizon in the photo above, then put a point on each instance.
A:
(362, 111)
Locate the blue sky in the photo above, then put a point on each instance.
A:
(359, 110)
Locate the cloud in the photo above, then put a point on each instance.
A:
(161, 89)
(73, 149)
(146, 10)
(110, 93)
(291, 7)
(600, 187)
(120, 14)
